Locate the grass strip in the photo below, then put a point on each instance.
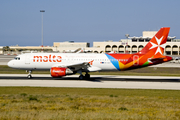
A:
(86, 103)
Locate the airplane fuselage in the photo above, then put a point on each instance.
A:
(44, 61)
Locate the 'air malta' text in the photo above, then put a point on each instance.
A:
(50, 58)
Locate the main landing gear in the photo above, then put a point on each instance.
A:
(87, 76)
(29, 75)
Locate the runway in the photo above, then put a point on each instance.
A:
(96, 81)
(4, 59)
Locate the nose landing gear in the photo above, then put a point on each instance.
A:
(29, 75)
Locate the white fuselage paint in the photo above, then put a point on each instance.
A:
(29, 62)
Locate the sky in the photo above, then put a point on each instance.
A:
(83, 20)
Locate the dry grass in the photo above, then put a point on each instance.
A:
(81, 103)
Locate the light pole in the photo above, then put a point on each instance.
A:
(42, 27)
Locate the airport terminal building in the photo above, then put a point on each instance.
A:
(135, 44)
(129, 45)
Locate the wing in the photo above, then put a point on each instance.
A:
(84, 66)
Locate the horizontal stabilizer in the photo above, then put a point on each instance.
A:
(164, 58)
(154, 59)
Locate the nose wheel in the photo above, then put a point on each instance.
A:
(29, 75)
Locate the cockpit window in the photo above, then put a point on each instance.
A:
(17, 58)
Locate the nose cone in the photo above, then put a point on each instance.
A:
(10, 63)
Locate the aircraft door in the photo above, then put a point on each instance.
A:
(135, 60)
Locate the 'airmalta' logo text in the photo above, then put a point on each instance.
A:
(50, 58)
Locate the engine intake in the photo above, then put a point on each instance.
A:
(60, 71)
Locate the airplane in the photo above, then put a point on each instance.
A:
(62, 64)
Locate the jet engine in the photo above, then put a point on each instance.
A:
(60, 71)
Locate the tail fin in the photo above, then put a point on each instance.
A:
(157, 44)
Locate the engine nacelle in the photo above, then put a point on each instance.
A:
(60, 71)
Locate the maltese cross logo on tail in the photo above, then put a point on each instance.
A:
(160, 47)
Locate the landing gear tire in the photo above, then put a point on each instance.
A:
(87, 76)
(81, 77)
(29, 76)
